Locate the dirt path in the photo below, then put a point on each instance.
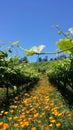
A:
(43, 87)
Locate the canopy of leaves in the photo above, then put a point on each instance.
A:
(65, 45)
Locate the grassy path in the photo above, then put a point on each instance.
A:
(41, 109)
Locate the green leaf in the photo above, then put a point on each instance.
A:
(15, 43)
(37, 49)
(59, 32)
(64, 44)
(29, 52)
(70, 30)
(34, 50)
(10, 51)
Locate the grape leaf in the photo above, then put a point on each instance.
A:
(29, 52)
(70, 30)
(34, 50)
(64, 44)
(59, 31)
(15, 43)
(37, 49)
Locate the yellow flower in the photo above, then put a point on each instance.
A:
(34, 98)
(36, 115)
(6, 113)
(20, 120)
(43, 113)
(32, 109)
(27, 94)
(22, 116)
(33, 128)
(30, 118)
(55, 113)
(15, 117)
(60, 114)
(36, 105)
(5, 126)
(58, 125)
(53, 121)
(50, 118)
(25, 123)
(50, 125)
(69, 116)
(27, 112)
(1, 124)
(13, 106)
(10, 118)
(11, 111)
(29, 100)
(16, 125)
(23, 109)
(46, 107)
(45, 128)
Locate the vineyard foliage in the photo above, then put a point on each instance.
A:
(14, 74)
(65, 44)
(62, 72)
(59, 71)
(27, 99)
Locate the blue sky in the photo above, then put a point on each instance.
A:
(30, 21)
